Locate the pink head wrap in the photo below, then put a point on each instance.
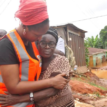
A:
(32, 12)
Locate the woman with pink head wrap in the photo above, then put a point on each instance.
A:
(34, 19)
(21, 57)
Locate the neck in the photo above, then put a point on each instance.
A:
(20, 32)
(44, 60)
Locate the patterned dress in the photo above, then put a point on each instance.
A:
(64, 97)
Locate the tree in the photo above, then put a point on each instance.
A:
(103, 36)
(86, 52)
(94, 42)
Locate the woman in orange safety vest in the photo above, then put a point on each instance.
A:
(20, 62)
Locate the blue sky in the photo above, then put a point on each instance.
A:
(62, 12)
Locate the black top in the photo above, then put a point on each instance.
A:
(7, 52)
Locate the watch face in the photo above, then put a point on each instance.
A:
(31, 94)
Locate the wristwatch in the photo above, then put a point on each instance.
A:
(31, 96)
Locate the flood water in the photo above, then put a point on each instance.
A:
(101, 73)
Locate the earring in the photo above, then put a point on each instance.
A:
(24, 32)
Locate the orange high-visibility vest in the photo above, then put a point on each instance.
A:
(29, 68)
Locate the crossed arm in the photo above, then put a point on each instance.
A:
(6, 100)
(10, 75)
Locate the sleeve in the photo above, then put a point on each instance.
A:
(63, 65)
(7, 53)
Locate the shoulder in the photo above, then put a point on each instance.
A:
(6, 45)
(5, 42)
(60, 58)
(7, 53)
(61, 64)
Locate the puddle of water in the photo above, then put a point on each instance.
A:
(100, 73)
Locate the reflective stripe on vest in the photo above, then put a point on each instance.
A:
(28, 67)
(38, 56)
(24, 58)
(1, 79)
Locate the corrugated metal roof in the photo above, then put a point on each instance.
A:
(64, 25)
(93, 51)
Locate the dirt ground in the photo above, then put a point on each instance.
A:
(88, 90)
